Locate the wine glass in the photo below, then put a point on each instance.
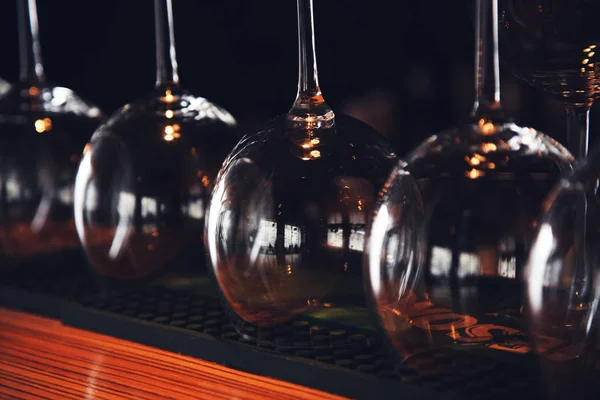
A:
(563, 284)
(43, 130)
(552, 45)
(451, 231)
(287, 217)
(143, 183)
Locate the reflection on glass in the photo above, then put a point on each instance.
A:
(147, 174)
(552, 45)
(286, 221)
(43, 130)
(563, 285)
(449, 241)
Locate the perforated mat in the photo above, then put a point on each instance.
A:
(340, 360)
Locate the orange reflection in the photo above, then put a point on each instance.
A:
(487, 127)
(314, 154)
(171, 132)
(43, 125)
(474, 174)
(169, 98)
(473, 161)
(488, 147)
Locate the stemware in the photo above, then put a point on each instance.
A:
(43, 130)
(563, 284)
(143, 183)
(287, 216)
(552, 45)
(451, 231)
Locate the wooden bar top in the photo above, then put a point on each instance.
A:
(42, 359)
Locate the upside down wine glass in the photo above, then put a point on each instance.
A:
(143, 183)
(287, 217)
(563, 283)
(551, 44)
(450, 234)
(43, 130)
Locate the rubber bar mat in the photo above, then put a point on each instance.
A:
(341, 361)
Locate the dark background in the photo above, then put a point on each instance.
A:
(405, 67)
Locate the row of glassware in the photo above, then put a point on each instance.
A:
(291, 217)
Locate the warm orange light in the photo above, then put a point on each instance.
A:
(472, 160)
(452, 333)
(169, 96)
(475, 160)
(310, 143)
(169, 114)
(34, 91)
(43, 125)
(171, 132)
(488, 147)
(205, 181)
(22, 338)
(491, 165)
(315, 154)
(487, 127)
(474, 174)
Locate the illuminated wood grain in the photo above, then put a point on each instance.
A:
(42, 359)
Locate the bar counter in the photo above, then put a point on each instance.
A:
(40, 358)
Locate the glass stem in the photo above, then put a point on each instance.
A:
(30, 54)
(487, 63)
(309, 100)
(578, 130)
(166, 60)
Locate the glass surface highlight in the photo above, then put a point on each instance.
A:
(563, 283)
(452, 230)
(43, 131)
(287, 218)
(144, 182)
